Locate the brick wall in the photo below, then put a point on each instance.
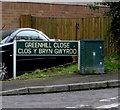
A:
(11, 11)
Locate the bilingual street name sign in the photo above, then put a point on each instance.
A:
(43, 48)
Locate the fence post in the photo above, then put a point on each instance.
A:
(14, 59)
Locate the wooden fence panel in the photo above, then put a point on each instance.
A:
(74, 29)
(25, 21)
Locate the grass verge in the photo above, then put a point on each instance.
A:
(111, 63)
(63, 69)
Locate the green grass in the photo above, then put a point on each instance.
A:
(111, 63)
(69, 69)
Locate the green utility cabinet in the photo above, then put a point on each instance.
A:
(91, 56)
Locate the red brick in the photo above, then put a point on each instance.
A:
(13, 10)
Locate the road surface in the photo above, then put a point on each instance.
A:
(103, 98)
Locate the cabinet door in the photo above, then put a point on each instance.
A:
(92, 56)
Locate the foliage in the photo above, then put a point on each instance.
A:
(112, 63)
(114, 11)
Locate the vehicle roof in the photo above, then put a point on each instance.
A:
(6, 32)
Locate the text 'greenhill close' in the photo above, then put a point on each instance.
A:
(65, 48)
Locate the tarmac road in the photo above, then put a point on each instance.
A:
(103, 98)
